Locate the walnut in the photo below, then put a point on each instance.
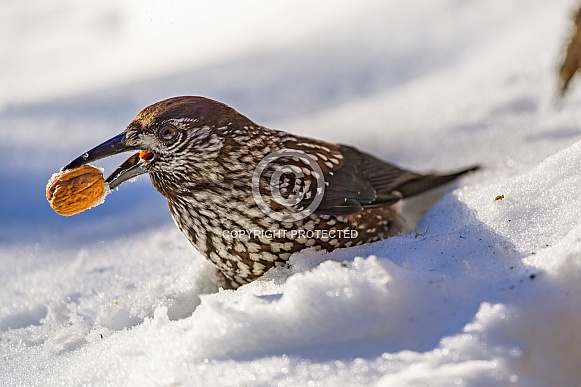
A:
(73, 191)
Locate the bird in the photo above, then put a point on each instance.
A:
(248, 197)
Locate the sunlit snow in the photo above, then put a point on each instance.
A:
(486, 289)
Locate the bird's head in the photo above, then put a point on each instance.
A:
(176, 140)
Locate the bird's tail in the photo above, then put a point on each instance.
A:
(423, 183)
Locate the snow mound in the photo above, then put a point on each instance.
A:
(468, 301)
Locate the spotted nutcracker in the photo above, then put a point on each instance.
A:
(247, 197)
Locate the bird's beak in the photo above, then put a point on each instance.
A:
(132, 167)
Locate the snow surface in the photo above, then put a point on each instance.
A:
(483, 292)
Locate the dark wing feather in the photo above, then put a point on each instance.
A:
(361, 181)
(355, 181)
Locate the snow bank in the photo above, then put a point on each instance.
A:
(469, 302)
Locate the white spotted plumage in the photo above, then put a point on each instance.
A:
(205, 172)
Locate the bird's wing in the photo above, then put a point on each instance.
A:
(355, 180)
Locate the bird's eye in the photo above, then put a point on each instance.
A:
(167, 133)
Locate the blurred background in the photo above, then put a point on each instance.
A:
(415, 85)
(74, 73)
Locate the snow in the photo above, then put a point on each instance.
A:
(482, 291)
